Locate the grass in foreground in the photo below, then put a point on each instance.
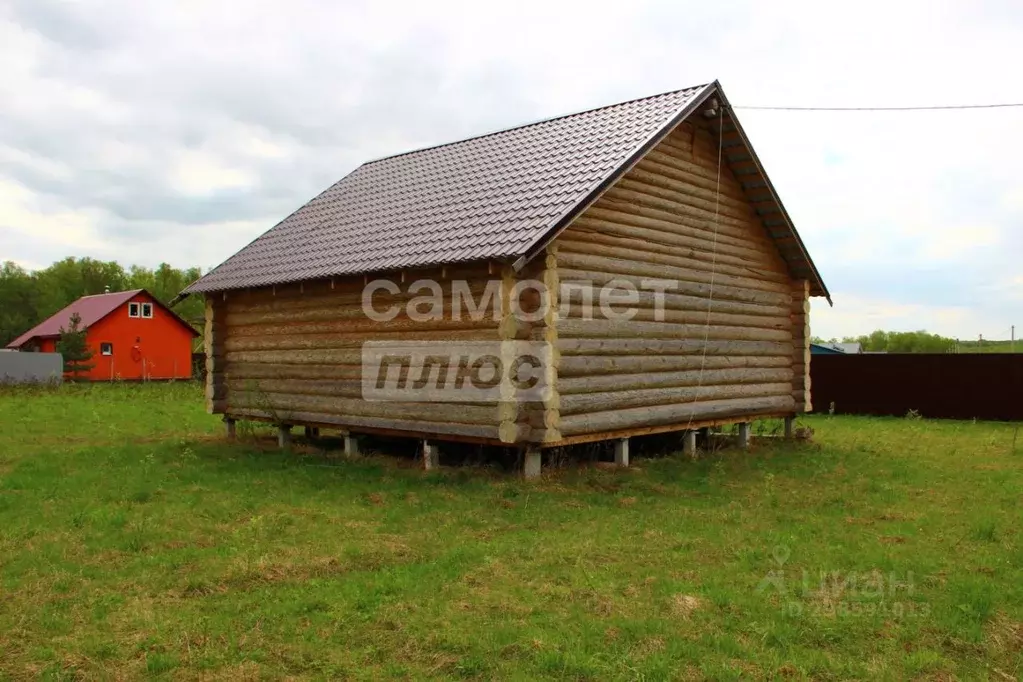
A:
(134, 542)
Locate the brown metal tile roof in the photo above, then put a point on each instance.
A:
(491, 196)
(496, 196)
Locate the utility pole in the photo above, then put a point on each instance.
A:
(1012, 340)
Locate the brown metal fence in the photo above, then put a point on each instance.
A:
(964, 386)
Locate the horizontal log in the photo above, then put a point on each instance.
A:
(691, 140)
(409, 427)
(712, 259)
(533, 413)
(702, 317)
(574, 291)
(632, 195)
(621, 211)
(660, 162)
(588, 268)
(717, 293)
(352, 389)
(690, 196)
(671, 178)
(582, 365)
(285, 295)
(663, 233)
(667, 161)
(243, 371)
(395, 327)
(595, 422)
(328, 305)
(337, 388)
(284, 403)
(711, 375)
(671, 347)
(299, 357)
(320, 341)
(583, 403)
(595, 329)
(347, 356)
(577, 310)
(641, 206)
(704, 153)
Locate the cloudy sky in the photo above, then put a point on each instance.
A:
(178, 132)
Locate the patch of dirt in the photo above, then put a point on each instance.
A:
(891, 539)
(684, 605)
(892, 516)
(1005, 635)
(650, 645)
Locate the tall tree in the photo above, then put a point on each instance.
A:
(19, 302)
(28, 298)
(73, 348)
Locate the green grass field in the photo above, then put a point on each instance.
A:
(990, 347)
(135, 542)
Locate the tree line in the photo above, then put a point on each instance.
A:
(29, 297)
(882, 341)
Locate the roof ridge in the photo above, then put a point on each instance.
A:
(534, 123)
(109, 293)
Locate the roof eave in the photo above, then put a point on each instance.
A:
(537, 247)
(821, 288)
(566, 219)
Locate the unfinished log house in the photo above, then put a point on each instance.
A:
(660, 200)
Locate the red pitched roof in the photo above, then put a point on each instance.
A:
(91, 309)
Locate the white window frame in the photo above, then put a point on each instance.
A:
(147, 308)
(134, 309)
(106, 348)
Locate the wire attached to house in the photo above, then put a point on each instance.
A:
(713, 261)
(939, 107)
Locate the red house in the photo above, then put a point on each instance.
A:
(132, 336)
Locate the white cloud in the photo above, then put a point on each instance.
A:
(198, 173)
(211, 121)
(24, 216)
(858, 315)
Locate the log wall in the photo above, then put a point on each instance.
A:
(292, 354)
(724, 345)
(728, 340)
(801, 345)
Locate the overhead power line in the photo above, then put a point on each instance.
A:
(944, 107)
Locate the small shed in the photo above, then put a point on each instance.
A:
(132, 336)
(833, 348)
(640, 249)
(825, 349)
